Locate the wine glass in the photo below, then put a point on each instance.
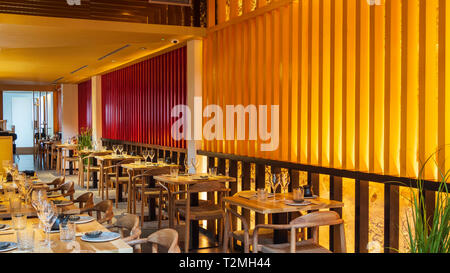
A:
(48, 215)
(275, 183)
(120, 148)
(186, 165)
(285, 180)
(145, 155)
(114, 147)
(195, 163)
(152, 155)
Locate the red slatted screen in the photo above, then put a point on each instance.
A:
(137, 100)
(85, 105)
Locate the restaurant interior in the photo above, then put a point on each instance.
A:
(224, 126)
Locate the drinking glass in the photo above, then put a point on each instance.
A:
(285, 180)
(275, 183)
(145, 155)
(48, 215)
(298, 195)
(261, 194)
(160, 160)
(114, 147)
(124, 153)
(174, 171)
(19, 220)
(120, 147)
(25, 239)
(195, 163)
(67, 231)
(213, 171)
(152, 155)
(186, 165)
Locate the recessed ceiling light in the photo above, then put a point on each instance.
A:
(113, 61)
(143, 48)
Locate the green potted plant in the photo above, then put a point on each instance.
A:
(430, 233)
(85, 139)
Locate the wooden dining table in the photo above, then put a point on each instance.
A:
(180, 180)
(82, 154)
(277, 205)
(107, 160)
(77, 246)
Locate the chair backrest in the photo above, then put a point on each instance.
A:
(57, 181)
(167, 238)
(207, 187)
(105, 207)
(85, 200)
(317, 219)
(150, 173)
(130, 223)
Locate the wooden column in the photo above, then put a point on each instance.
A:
(391, 218)
(233, 187)
(246, 183)
(335, 194)
(211, 224)
(211, 5)
(361, 216)
(260, 180)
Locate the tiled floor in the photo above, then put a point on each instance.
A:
(26, 163)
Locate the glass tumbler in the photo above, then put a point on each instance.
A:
(25, 239)
(67, 232)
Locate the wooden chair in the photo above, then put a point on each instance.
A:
(56, 182)
(111, 174)
(53, 155)
(127, 225)
(159, 192)
(168, 238)
(211, 211)
(85, 200)
(92, 169)
(105, 207)
(265, 235)
(67, 189)
(312, 220)
(70, 159)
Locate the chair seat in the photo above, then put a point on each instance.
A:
(71, 159)
(307, 246)
(154, 192)
(204, 212)
(265, 235)
(94, 168)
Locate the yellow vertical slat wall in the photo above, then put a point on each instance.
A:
(359, 86)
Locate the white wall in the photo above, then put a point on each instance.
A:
(69, 107)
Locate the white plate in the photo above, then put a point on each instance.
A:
(292, 203)
(84, 219)
(11, 247)
(104, 237)
(5, 228)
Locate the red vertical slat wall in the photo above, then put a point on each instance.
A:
(84, 105)
(137, 100)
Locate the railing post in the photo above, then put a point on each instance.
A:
(260, 183)
(246, 183)
(391, 218)
(233, 170)
(211, 224)
(335, 194)
(361, 216)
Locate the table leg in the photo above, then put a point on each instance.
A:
(94, 177)
(280, 236)
(102, 180)
(195, 230)
(151, 201)
(58, 160)
(130, 178)
(70, 163)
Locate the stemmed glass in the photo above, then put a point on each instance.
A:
(120, 148)
(195, 163)
(114, 147)
(145, 155)
(186, 165)
(48, 215)
(285, 180)
(152, 155)
(275, 184)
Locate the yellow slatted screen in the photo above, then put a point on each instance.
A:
(359, 86)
